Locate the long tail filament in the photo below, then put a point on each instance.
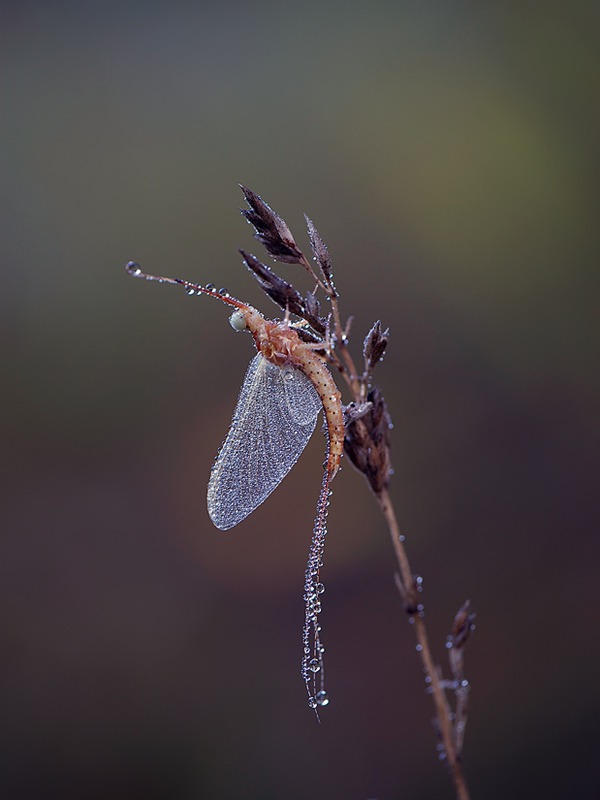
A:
(313, 671)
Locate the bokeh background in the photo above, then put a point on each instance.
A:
(448, 153)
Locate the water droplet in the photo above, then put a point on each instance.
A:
(449, 644)
(314, 665)
(210, 287)
(238, 321)
(320, 587)
(223, 292)
(402, 537)
(322, 699)
(419, 648)
(312, 702)
(464, 684)
(320, 648)
(189, 290)
(427, 678)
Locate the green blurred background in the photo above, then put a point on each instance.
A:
(448, 153)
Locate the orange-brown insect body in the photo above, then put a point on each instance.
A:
(280, 344)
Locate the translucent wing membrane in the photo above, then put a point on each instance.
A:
(274, 418)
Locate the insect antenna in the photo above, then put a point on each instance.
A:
(134, 269)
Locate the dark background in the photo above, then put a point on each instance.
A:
(448, 154)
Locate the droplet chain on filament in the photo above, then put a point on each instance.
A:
(312, 648)
(285, 387)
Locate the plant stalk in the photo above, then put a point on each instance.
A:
(432, 674)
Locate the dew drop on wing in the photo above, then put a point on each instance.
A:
(274, 418)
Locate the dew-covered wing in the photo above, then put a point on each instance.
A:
(274, 418)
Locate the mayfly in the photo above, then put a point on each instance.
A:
(286, 386)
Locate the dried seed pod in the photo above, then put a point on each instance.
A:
(312, 313)
(463, 625)
(367, 443)
(271, 230)
(374, 346)
(283, 293)
(321, 252)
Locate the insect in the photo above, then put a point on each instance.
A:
(286, 386)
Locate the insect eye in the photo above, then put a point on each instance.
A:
(238, 321)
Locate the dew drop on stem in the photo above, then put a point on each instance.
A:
(322, 699)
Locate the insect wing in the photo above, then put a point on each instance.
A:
(273, 420)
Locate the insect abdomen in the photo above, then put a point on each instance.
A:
(320, 377)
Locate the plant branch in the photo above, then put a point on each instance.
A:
(367, 445)
(408, 588)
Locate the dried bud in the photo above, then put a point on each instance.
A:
(367, 443)
(356, 443)
(464, 623)
(311, 304)
(280, 291)
(319, 248)
(312, 313)
(271, 230)
(283, 293)
(374, 345)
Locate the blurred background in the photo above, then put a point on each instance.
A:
(448, 154)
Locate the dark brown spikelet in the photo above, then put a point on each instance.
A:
(283, 293)
(463, 625)
(367, 443)
(279, 290)
(321, 252)
(374, 346)
(312, 313)
(271, 230)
